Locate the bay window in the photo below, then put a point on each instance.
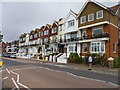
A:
(97, 47)
(85, 47)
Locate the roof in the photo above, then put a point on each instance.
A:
(48, 25)
(97, 3)
(73, 12)
(115, 8)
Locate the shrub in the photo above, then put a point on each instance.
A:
(98, 59)
(74, 58)
(117, 62)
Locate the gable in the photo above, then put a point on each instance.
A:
(54, 25)
(70, 16)
(90, 8)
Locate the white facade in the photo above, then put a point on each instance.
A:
(71, 33)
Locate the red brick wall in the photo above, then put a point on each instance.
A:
(113, 31)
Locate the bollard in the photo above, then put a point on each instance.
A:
(1, 62)
(110, 62)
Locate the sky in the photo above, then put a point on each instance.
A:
(18, 17)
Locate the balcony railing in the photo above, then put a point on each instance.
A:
(101, 35)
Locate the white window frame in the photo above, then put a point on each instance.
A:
(99, 47)
(97, 14)
(46, 40)
(36, 35)
(89, 17)
(84, 20)
(54, 30)
(71, 23)
(46, 32)
(114, 48)
(83, 47)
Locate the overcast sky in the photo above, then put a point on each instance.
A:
(22, 17)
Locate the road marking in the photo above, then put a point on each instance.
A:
(7, 70)
(92, 79)
(26, 68)
(18, 79)
(67, 73)
(5, 78)
(15, 84)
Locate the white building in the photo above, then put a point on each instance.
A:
(71, 33)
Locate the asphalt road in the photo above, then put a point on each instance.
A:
(28, 74)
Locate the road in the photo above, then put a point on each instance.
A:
(18, 73)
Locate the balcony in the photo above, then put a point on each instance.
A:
(89, 37)
(53, 41)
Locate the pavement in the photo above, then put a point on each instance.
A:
(36, 74)
(98, 69)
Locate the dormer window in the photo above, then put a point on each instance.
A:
(54, 30)
(23, 39)
(35, 35)
(31, 36)
(90, 17)
(83, 19)
(71, 23)
(99, 14)
(46, 32)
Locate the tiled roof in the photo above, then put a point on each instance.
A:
(48, 25)
(115, 8)
(74, 12)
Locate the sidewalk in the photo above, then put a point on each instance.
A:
(95, 68)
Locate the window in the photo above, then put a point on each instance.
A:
(54, 30)
(97, 47)
(71, 48)
(53, 39)
(23, 39)
(90, 17)
(114, 47)
(85, 47)
(83, 19)
(97, 30)
(60, 27)
(83, 34)
(31, 36)
(46, 32)
(71, 23)
(99, 14)
(35, 35)
(45, 40)
(64, 37)
(73, 35)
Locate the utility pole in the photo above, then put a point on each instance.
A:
(1, 37)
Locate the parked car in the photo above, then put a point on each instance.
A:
(11, 55)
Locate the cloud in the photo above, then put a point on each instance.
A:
(22, 17)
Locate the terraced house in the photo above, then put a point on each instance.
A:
(23, 45)
(99, 29)
(95, 29)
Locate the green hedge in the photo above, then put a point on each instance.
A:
(74, 58)
(117, 62)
